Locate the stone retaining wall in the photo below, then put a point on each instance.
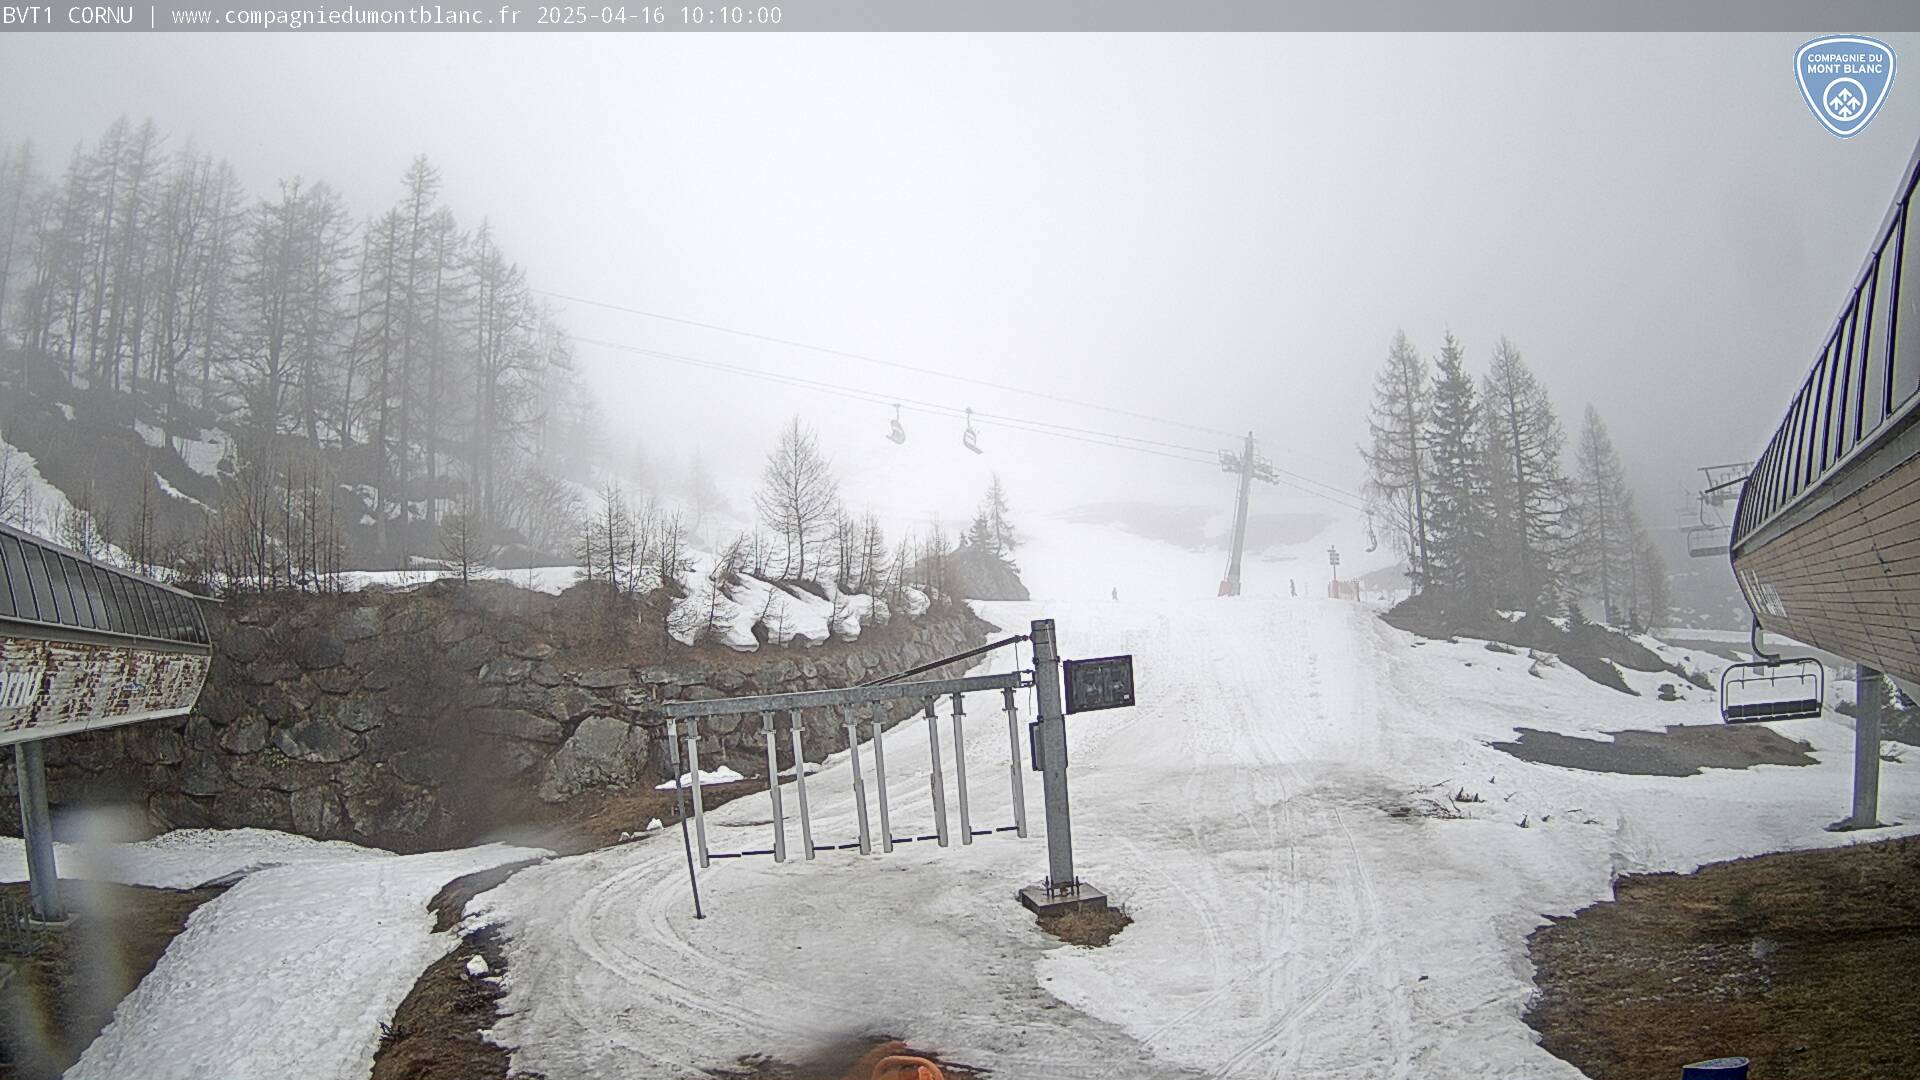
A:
(423, 719)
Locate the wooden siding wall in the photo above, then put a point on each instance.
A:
(1848, 579)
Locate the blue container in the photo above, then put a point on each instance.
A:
(1727, 1068)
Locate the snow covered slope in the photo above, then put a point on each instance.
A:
(1289, 922)
(289, 972)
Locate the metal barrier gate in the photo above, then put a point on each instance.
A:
(1090, 684)
(768, 707)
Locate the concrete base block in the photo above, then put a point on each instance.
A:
(1044, 901)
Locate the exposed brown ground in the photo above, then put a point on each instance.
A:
(1804, 962)
(1092, 927)
(435, 1033)
(64, 993)
(1681, 750)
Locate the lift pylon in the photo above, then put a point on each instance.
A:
(1251, 466)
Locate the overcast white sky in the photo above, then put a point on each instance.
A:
(1225, 230)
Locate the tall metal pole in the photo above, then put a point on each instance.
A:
(1053, 753)
(880, 785)
(960, 766)
(43, 880)
(800, 783)
(1868, 698)
(699, 808)
(859, 781)
(773, 789)
(680, 811)
(1230, 586)
(1015, 765)
(937, 782)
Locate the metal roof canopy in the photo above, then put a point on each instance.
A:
(52, 593)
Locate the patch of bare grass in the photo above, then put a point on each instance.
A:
(1088, 926)
(1757, 958)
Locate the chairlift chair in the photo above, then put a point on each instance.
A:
(899, 432)
(1705, 541)
(969, 438)
(1772, 687)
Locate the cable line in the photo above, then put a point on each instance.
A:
(1038, 427)
(864, 358)
(1113, 440)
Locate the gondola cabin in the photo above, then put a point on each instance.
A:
(85, 646)
(1826, 539)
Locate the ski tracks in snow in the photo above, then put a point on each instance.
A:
(1235, 809)
(1310, 933)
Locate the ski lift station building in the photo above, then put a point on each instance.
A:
(1826, 539)
(84, 646)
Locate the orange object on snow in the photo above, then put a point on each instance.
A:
(907, 1067)
(886, 1062)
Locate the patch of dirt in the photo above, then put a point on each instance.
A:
(1723, 649)
(850, 1059)
(435, 1033)
(1680, 750)
(61, 995)
(1600, 671)
(1801, 961)
(449, 905)
(1090, 927)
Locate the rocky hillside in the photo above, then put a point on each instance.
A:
(979, 575)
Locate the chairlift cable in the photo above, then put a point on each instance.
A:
(863, 358)
(1038, 427)
(1112, 440)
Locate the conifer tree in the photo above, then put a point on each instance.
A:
(1398, 457)
(1523, 441)
(1458, 527)
(991, 530)
(1604, 544)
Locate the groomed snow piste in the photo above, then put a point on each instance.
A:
(1286, 922)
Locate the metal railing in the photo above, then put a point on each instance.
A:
(684, 745)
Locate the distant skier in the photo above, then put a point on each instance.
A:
(1292, 589)
(1116, 592)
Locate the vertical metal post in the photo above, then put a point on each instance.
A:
(699, 808)
(1870, 693)
(800, 783)
(1230, 585)
(43, 876)
(1053, 754)
(680, 810)
(773, 789)
(938, 780)
(1016, 766)
(880, 783)
(960, 767)
(859, 781)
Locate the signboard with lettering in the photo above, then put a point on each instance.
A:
(52, 688)
(1104, 682)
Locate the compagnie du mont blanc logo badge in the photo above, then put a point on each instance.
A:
(1845, 79)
